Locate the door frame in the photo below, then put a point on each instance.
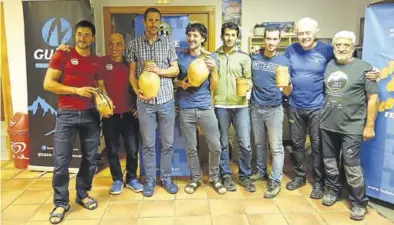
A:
(165, 10)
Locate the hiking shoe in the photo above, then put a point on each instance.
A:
(149, 188)
(247, 184)
(170, 186)
(330, 198)
(135, 185)
(257, 175)
(116, 187)
(228, 183)
(273, 189)
(295, 184)
(358, 212)
(317, 193)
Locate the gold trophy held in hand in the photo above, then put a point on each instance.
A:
(282, 76)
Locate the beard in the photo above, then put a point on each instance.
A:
(343, 58)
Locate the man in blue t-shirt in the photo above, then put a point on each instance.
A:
(308, 59)
(266, 111)
(195, 108)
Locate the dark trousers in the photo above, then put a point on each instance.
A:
(124, 125)
(334, 146)
(300, 120)
(68, 124)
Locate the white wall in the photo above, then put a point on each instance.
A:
(332, 15)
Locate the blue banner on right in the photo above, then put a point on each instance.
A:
(377, 155)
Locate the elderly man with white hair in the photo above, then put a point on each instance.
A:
(348, 117)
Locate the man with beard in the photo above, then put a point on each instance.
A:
(159, 111)
(76, 114)
(349, 113)
(266, 111)
(195, 108)
(233, 109)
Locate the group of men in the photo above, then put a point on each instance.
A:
(330, 94)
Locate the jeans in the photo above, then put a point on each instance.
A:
(240, 119)
(150, 117)
(270, 119)
(299, 120)
(68, 124)
(349, 145)
(206, 119)
(127, 126)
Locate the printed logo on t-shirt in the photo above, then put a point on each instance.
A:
(109, 67)
(260, 65)
(337, 81)
(74, 61)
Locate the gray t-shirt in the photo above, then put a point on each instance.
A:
(346, 97)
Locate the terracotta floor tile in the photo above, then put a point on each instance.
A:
(14, 212)
(4, 163)
(317, 204)
(212, 194)
(3, 222)
(226, 207)
(339, 218)
(182, 180)
(122, 210)
(43, 212)
(230, 220)
(259, 206)
(132, 221)
(294, 205)
(194, 207)
(10, 165)
(7, 197)
(42, 184)
(79, 213)
(17, 184)
(199, 194)
(102, 183)
(260, 189)
(306, 190)
(373, 218)
(8, 174)
(284, 193)
(304, 219)
(126, 195)
(161, 208)
(267, 219)
(161, 194)
(100, 195)
(80, 222)
(39, 222)
(156, 221)
(27, 174)
(47, 175)
(193, 220)
(3, 181)
(32, 197)
(104, 173)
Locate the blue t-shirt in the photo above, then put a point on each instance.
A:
(192, 97)
(265, 92)
(307, 74)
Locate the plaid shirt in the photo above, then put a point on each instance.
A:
(162, 52)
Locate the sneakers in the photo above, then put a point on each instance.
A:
(273, 189)
(295, 184)
(170, 186)
(247, 184)
(229, 183)
(148, 190)
(358, 212)
(330, 198)
(135, 185)
(257, 175)
(317, 193)
(116, 187)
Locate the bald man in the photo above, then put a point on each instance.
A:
(124, 120)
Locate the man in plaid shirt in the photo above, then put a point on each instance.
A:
(158, 111)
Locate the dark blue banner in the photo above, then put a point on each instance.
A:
(377, 155)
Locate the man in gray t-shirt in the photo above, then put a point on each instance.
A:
(348, 117)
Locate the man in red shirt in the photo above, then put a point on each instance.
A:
(124, 122)
(76, 114)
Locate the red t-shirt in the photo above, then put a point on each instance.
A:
(116, 80)
(78, 71)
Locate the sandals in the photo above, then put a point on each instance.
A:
(91, 204)
(192, 187)
(218, 187)
(58, 215)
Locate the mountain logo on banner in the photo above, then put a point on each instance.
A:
(40, 103)
(387, 78)
(56, 31)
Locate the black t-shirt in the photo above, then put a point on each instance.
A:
(346, 96)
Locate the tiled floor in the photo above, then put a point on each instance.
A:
(26, 199)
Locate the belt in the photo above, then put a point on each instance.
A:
(267, 106)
